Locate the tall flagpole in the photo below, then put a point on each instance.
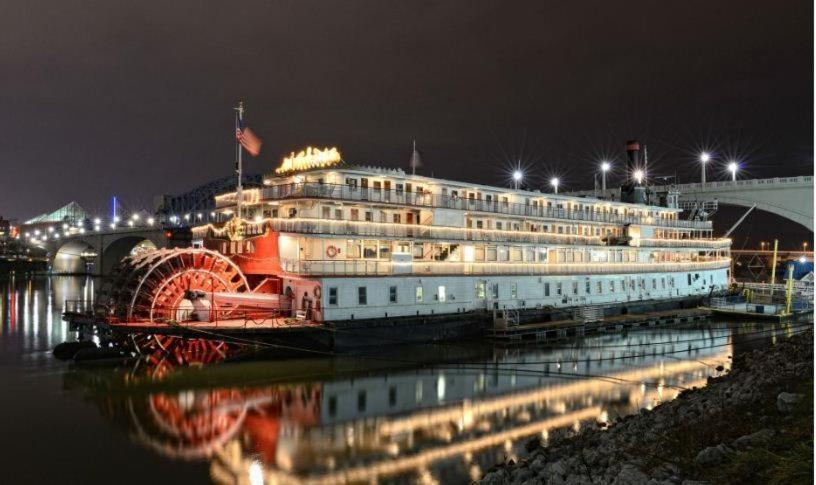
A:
(239, 125)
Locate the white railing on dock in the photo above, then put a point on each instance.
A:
(588, 314)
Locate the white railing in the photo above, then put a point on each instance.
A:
(382, 268)
(358, 194)
(800, 180)
(685, 243)
(408, 231)
(417, 231)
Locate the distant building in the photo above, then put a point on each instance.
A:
(201, 198)
(71, 214)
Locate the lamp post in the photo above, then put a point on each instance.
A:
(554, 182)
(704, 158)
(639, 176)
(517, 176)
(605, 166)
(733, 167)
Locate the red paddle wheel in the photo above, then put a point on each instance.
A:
(171, 285)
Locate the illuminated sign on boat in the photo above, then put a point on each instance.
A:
(308, 159)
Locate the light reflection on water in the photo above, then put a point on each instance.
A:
(30, 309)
(431, 414)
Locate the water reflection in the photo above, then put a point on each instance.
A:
(437, 422)
(423, 414)
(30, 314)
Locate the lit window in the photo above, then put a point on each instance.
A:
(440, 294)
(480, 290)
(418, 293)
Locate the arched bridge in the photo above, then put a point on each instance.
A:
(789, 197)
(97, 253)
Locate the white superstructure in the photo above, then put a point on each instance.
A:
(359, 242)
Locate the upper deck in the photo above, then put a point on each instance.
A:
(395, 187)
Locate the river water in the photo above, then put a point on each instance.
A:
(419, 414)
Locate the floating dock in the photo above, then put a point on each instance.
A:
(573, 327)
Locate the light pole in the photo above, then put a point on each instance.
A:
(733, 167)
(517, 176)
(704, 158)
(639, 175)
(554, 182)
(605, 166)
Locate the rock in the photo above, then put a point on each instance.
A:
(495, 478)
(630, 475)
(537, 465)
(558, 468)
(786, 402)
(753, 440)
(713, 455)
(665, 471)
(521, 475)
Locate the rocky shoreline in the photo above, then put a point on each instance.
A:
(752, 425)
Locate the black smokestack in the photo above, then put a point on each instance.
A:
(632, 157)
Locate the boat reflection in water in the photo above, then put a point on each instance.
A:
(367, 419)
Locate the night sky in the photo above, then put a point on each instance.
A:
(135, 98)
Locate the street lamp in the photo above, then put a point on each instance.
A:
(639, 176)
(804, 246)
(733, 167)
(554, 182)
(704, 158)
(517, 176)
(605, 166)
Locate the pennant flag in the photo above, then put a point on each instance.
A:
(247, 138)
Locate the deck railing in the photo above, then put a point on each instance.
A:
(383, 268)
(409, 231)
(425, 199)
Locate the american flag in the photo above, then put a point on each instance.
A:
(247, 139)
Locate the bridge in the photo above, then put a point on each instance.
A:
(97, 252)
(789, 197)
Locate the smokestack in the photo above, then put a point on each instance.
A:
(632, 157)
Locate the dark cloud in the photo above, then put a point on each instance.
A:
(134, 98)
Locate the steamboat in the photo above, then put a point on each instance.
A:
(330, 255)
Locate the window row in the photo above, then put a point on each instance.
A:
(483, 289)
